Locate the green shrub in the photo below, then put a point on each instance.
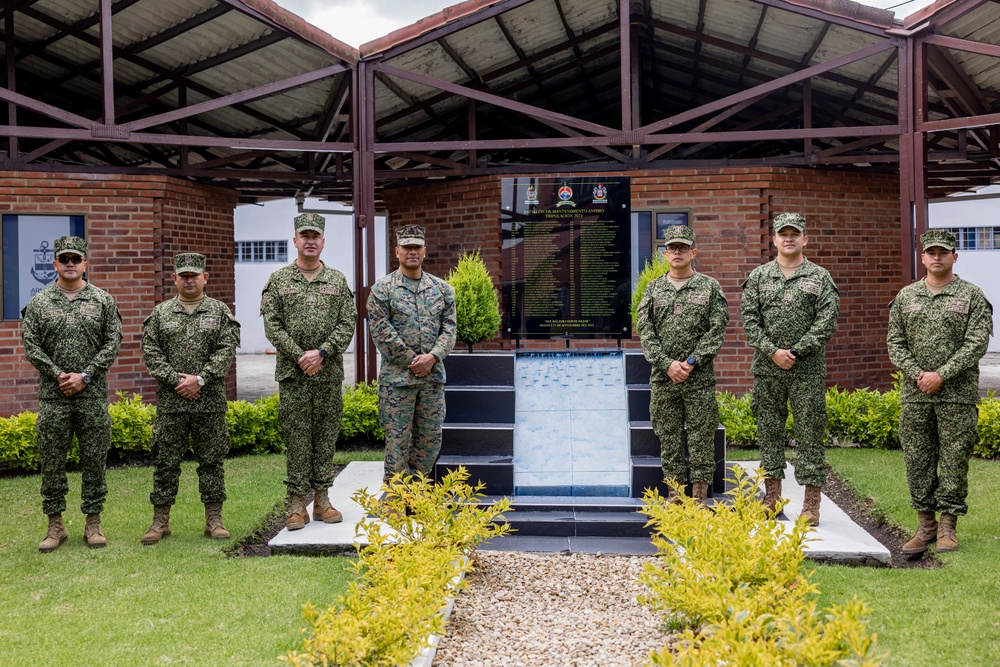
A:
(360, 420)
(269, 438)
(654, 268)
(404, 577)
(736, 415)
(477, 303)
(733, 583)
(245, 424)
(131, 424)
(18, 444)
(989, 427)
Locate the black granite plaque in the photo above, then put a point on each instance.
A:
(566, 257)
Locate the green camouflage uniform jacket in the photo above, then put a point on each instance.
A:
(800, 312)
(78, 336)
(300, 316)
(676, 324)
(947, 334)
(200, 343)
(405, 323)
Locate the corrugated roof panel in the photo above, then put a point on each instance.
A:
(682, 13)
(482, 47)
(788, 35)
(207, 40)
(144, 20)
(734, 20)
(585, 15)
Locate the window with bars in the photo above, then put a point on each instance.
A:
(262, 251)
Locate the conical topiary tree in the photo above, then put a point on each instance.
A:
(655, 267)
(477, 303)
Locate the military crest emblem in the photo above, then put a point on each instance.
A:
(42, 269)
(600, 194)
(565, 195)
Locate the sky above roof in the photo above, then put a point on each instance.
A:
(355, 22)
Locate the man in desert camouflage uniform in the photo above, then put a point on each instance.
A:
(309, 317)
(682, 320)
(72, 332)
(189, 344)
(790, 309)
(412, 319)
(939, 329)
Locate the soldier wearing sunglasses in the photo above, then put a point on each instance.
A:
(72, 332)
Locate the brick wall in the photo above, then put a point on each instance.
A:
(853, 233)
(134, 226)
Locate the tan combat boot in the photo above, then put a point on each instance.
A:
(810, 506)
(55, 535)
(699, 492)
(323, 510)
(298, 517)
(213, 522)
(926, 535)
(160, 527)
(946, 539)
(772, 495)
(92, 533)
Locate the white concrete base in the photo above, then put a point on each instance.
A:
(335, 537)
(837, 537)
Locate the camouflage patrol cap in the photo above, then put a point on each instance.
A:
(310, 222)
(940, 238)
(796, 220)
(679, 234)
(189, 262)
(410, 235)
(71, 245)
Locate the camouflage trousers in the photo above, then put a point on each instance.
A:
(807, 396)
(309, 413)
(671, 406)
(937, 440)
(411, 417)
(57, 422)
(210, 434)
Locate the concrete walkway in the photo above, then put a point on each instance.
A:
(837, 539)
(255, 375)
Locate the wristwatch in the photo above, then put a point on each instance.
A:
(691, 360)
(201, 381)
(85, 377)
(323, 353)
(794, 352)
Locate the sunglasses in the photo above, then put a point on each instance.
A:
(70, 259)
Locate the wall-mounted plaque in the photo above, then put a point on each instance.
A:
(566, 257)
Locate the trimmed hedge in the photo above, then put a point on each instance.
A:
(863, 417)
(253, 428)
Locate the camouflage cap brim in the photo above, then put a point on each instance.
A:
(189, 269)
(410, 241)
(679, 239)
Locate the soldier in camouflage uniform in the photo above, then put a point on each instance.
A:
(309, 317)
(411, 315)
(72, 332)
(939, 329)
(682, 320)
(189, 344)
(790, 309)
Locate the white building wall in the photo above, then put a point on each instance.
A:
(273, 222)
(981, 267)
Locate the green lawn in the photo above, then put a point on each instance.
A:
(181, 602)
(943, 617)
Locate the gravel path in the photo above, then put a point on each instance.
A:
(541, 610)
